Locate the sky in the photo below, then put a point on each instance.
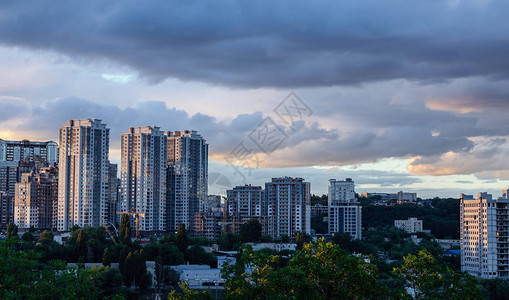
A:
(398, 95)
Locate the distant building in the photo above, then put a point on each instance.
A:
(83, 174)
(187, 177)
(319, 210)
(288, 206)
(16, 158)
(345, 212)
(244, 203)
(484, 235)
(36, 199)
(399, 196)
(143, 177)
(208, 222)
(113, 194)
(411, 225)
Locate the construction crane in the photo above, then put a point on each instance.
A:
(105, 225)
(136, 216)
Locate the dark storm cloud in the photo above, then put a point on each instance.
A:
(222, 136)
(307, 144)
(267, 43)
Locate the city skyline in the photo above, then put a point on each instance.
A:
(395, 105)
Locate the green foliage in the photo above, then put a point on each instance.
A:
(319, 225)
(322, 200)
(229, 241)
(188, 294)
(320, 271)
(106, 260)
(28, 237)
(134, 269)
(108, 280)
(12, 230)
(495, 289)
(46, 237)
(182, 240)
(251, 231)
(200, 241)
(23, 276)
(427, 279)
(124, 230)
(196, 255)
(442, 218)
(167, 250)
(302, 238)
(266, 238)
(285, 238)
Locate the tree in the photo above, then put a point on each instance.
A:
(46, 237)
(28, 237)
(12, 230)
(182, 240)
(106, 260)
(229, 241)
(159, 271)
(188, 294)
(285, 238)
(302, 238)
(81, 245)
(107, 279)
(251, 231)
(24, 276)
(266, 238)
(129, 269)
(496, 289)
(124, 229)
(320, 271)
(141, 277)
(427, 279)
(197, 255)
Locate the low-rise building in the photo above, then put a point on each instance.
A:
(411, 225)
(319, 210)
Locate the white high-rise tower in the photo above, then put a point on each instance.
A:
(345, 213)
(187, 177)
(83, 174)
(144, 177)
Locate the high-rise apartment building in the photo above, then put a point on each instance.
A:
(288, 204)
(16, 158)
(484, 235)
(345, 213)
(246, 202)
(113, 194)
(83, 174)
(36, 199)
(187, 177)
(143, 177)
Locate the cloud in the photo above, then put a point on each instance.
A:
(487, 159)
(307, 144)
(262, 43)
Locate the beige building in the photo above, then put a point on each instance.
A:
(484, 235)
(36, 199)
